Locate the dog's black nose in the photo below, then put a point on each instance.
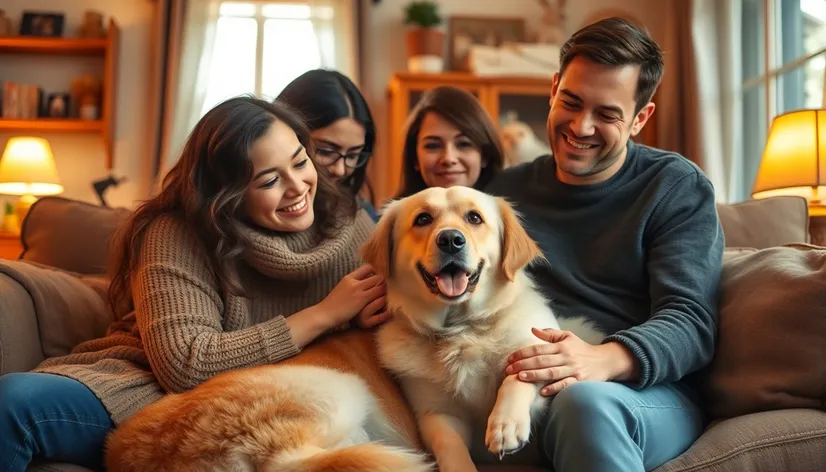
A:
(450, 241)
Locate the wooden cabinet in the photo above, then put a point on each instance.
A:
(104, 48)
(10, 247)
(528, 98)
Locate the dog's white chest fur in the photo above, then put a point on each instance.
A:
(468, 369)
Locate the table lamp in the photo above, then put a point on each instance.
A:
(27, 169)
(794, 163)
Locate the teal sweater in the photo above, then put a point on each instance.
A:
(639, 254)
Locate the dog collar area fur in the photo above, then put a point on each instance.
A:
(456, 324)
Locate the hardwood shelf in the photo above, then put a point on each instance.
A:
(60, 46)
(52, 124)
(107, 49)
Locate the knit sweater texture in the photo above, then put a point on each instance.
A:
(184, 329)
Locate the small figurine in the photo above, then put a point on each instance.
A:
(520, 142)
(552, 23)
(92, 26)
(5, 24)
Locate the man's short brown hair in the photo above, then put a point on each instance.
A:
(618, 42)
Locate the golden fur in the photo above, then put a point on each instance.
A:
(335, 408)
(450, 352)
(298, 415)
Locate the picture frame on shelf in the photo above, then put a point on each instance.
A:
(58, 105)
(466, 31)
(42, 24)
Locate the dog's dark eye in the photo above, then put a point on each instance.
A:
(474, 218)
(423, 219)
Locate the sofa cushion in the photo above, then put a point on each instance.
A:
(69, 308)
(772, 332)
(69, 234)
(765, 223)
(787, 440)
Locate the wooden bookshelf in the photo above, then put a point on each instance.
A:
(53, 124)
(53, 46)
(107, 49)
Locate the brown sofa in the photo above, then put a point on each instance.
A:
(764, 392)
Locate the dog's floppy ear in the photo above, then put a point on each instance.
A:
(378, 249)
(518, 249)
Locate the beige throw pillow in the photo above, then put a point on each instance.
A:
(771, 349)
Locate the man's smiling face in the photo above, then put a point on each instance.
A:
(592, 116)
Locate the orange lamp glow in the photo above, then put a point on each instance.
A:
(794, 160)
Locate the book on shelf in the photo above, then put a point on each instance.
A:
(21, 101)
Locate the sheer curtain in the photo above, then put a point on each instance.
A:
(184, 39)
(701, 94)
(334, 23)
(716, 38)
(198, 41)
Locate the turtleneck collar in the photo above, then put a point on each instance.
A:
(303, 255)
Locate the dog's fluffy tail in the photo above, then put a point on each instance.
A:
(367, 457)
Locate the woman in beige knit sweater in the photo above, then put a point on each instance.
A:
(246, 256)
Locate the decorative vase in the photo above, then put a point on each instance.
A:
(425, 50)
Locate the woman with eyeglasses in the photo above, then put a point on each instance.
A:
(341, 127)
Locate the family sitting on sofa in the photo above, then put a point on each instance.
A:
(707, 333)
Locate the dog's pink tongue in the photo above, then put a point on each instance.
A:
(452, 285)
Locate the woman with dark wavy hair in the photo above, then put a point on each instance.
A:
(245, 256)
(341, 126)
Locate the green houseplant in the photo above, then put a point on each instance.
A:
(425, 43)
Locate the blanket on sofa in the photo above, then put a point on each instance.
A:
(72, 306)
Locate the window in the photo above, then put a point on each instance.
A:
(260, 47)
(782, 66)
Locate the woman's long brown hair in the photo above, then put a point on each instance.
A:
(206, 186)
(466, 113)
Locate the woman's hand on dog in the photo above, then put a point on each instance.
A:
(563, 359)
(360, 296)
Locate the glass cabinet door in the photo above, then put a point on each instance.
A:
(522, 115)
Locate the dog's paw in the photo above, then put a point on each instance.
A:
(507, 434)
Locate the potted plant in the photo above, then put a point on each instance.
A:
(425, 43)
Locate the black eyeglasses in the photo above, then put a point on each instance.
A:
(353, 160)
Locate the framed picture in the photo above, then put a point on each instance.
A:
(58, 105)
(42, 24)
(465, 31)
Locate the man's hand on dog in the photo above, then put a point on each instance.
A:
(563, 359)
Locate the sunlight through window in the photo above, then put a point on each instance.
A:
(288, 45)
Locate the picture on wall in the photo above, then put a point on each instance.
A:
(42, 24)
(466, 31)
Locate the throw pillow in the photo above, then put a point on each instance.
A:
(771, 346)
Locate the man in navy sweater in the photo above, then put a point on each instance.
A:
(633, 242)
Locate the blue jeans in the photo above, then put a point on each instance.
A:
(607, 426)
(50, 417)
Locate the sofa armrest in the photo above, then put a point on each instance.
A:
(20, 347)
(56, 311)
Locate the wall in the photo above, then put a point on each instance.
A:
(384, 35)
(80, 157)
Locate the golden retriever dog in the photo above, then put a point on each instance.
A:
(330, 408)
(454, 260)
(454, 263)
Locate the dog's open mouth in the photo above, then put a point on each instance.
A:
(451, 281)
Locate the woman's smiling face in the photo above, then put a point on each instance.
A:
(446, 157)
(282, 191)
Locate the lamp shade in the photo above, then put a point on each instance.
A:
(27, 168)
(794, 160)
